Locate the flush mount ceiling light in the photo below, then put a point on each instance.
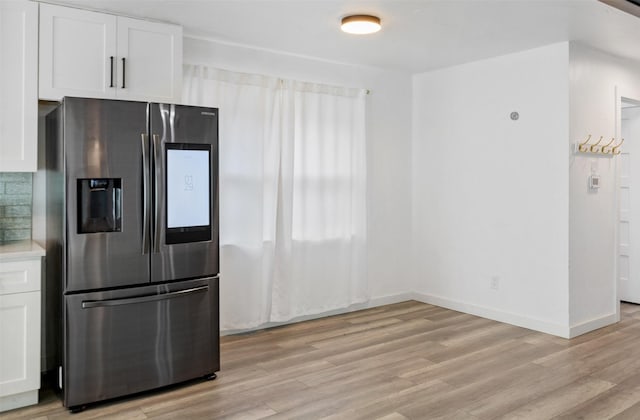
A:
(360, 24)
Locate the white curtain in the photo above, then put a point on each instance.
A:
(292, 195)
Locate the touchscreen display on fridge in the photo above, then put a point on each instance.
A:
(188, 180)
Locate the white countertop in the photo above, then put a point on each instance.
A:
(20, 249)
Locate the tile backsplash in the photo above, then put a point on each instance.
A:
(15, 205)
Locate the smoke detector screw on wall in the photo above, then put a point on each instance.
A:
(514, 116)
(360, 24)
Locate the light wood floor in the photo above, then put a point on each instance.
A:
(408, 360)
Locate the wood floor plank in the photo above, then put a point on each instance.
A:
(608, 404)
(472, 360)
(348, 330)
(556, 401)
(631, 413)
(343, 386)
(464, 397)
(338, 401)
(403, 328)
(393, 401)
(618, 371)
(392, 416)
(522, 392)
(403, 361)
(404, 312)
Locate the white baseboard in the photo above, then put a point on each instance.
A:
(496, 315)
(469, 308)
(594, 324)
(371, 303)
(389, 299)
(23, 399)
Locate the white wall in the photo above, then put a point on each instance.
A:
(490, 195)
(389, 137)
(594, 77)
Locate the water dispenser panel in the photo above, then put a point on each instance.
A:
(99, 205)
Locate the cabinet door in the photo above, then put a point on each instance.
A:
(19, 343)
(152, 67)
(77, 53)
(18, 86)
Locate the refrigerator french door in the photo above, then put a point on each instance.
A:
(134, 244)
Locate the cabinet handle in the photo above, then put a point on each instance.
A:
(111, 67)
(123, 71)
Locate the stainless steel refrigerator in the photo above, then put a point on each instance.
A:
(132, 240)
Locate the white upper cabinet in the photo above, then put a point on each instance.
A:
(76, 51)
(18, 86)
(99, 55)
(152, 66)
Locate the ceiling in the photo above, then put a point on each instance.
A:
(417, 35)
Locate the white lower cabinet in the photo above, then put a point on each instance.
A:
(19, 332)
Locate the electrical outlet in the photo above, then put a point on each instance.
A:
(495, 282)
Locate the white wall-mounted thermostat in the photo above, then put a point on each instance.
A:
(594, 182)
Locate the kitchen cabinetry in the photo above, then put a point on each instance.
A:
(20, 272)
(18, 86)
(98, 55)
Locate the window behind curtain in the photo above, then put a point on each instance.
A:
(292, 195)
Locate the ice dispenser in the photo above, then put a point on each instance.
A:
(99, 205)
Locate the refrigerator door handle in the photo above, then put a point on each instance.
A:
(87, 304)
(146, 190)
(157, 173)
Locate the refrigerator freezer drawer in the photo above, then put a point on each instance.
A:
(125, 341)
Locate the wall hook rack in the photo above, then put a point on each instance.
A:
(616, 149)
(597, 149)
(605, 149)
(582, 147)
(594, 147)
